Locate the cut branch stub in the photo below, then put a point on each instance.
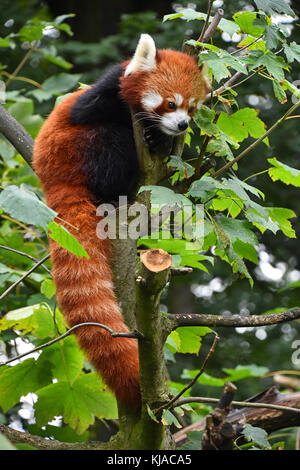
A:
(156, 260)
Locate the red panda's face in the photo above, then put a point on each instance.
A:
(163, 85)
(172, 112)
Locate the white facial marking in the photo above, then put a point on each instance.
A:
(144, 57)
(169, 121)
(192, 101)
(178, 99)
(151, 100)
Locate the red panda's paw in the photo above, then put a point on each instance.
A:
(157, 141)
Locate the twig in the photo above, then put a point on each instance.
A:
(234, 79)
(210, 353)
(213, 26)
(194, 319)
(247, 45)
(181, 270)
(16, 134)
(210, 3)
(203, 149)
(25, 254)
(113, 333)
(21, 64)
(39, 263)
(252, 146)
(242, 404)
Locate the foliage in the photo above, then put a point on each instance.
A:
(236, 214)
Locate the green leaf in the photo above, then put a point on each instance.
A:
(256, 435)
(286, 174)
(204, 379)
(216, 64)
(161, 196)
(232, 375)
(279, 92)
(248, 40)
(245, 21)
(22, 111)
(63, 433)
(185, 169)
(194, 260)
(220, 148)
(63, 237)
(281, 215)
(220, 62)
(225, 25)
(237, 229)
(232, 204)
(274, 64)
(6, 42)
(60, 83)
(271, 7)
(36, 319)
(169, 418)
(66, 359)
(292, 51)
(237, 264)
(31, 32)
(48, 288)
(16, 381)
(245, 250)
(189, 339)
(241, 124)
(203, 188)
(272, 36)
(24, 205)
(79, 403)
(7, 151)
(61, 18)
(292, 88)
(5, 444)
(243, 372)
(195, 441)
(204, 119)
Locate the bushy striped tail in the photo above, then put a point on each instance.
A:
(85, 294)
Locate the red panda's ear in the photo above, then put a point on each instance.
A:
(144, 57)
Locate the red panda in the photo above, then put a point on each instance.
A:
(84, 155)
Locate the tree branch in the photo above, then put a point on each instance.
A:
(38, 442)
(16, 134)
(194, 319)
(213, 26)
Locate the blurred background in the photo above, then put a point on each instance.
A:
(105, 33)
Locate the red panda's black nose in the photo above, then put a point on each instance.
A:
(182, 125)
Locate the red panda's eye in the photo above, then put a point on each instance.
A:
(191, 109)
(171, 105)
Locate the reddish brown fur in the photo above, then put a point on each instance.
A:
(84, 286)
